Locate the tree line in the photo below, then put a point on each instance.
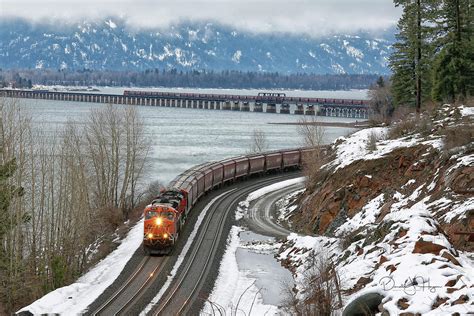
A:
(433, 57)
(189, 79)
(61, 194)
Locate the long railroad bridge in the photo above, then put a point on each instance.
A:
(263, 102)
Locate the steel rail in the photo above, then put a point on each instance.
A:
(123, 287)
(145, 284)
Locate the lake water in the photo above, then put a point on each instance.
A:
(182, 138)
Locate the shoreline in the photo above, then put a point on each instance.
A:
(361, 124)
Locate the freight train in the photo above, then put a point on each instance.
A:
(165, 216)
(262, 97)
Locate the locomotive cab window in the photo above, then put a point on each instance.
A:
(168, 215)
(151, 214)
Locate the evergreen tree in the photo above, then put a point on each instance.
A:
(411, 58)
(453, 72)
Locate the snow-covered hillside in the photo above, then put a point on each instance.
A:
(110, 44)
(389, 216)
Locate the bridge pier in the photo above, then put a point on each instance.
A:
(285, 108)
(310, 110)
(299, 109)
(226, 106)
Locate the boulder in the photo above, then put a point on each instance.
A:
(422, 246)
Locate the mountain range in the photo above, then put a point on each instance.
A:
(111, 44)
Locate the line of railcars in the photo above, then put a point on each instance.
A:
(261, 97)
(163, 220)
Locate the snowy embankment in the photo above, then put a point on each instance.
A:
(235, 290)
(402, 241)
(74, 299)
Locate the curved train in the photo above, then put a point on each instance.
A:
(165, 216)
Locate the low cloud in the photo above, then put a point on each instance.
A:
(313, 17)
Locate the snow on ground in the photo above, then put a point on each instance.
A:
(74, 298)
(271, 188)
(284, 209)
(182, 255)
(355, 147)
(367, 215)
(466, 111)
(244, 205)
(233, 290)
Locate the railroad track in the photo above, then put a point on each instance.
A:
(261, 213)
(184, 291)
(135, 286)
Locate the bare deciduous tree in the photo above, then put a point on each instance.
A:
(74, 181)
(312, 135)
(259, 142)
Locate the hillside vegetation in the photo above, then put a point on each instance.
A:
(389, 208)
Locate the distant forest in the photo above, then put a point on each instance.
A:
(189, 79)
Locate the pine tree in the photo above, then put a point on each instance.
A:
(411, 58)
(453, 72)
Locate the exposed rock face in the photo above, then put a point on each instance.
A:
(349, 189)
(404, 217)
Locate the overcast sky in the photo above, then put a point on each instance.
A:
(315, 17)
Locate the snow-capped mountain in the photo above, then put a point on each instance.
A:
(110, 44)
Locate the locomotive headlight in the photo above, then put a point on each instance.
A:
(150, 236)
(159, 221)
(165, 236)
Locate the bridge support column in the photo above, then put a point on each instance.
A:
(235, 106)
(285, 109)
(299, 109)
(271, 108)
(310, 110)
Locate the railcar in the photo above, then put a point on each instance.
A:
(273, 161)
(256, 164)
(241, 167)
(217, 174)
(229, 170)
(291, 158)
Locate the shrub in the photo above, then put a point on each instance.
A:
(457, 136)
(372, 141)
(321, 293)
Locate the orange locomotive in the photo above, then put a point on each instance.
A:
(164, 218)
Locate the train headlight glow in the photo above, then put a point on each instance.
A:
(159, 221)
(150, 236)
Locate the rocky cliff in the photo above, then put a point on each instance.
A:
(393, 211)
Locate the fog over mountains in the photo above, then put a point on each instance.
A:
(110, 44)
